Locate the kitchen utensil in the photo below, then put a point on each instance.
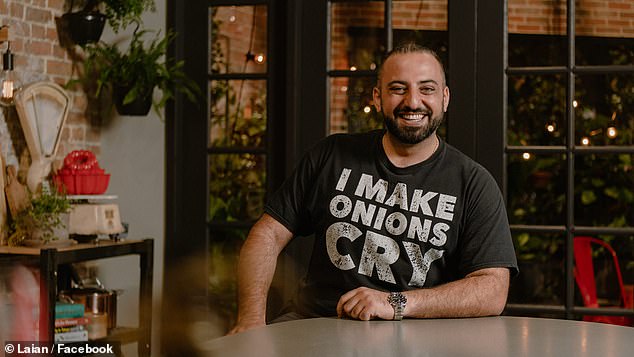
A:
(42, 108)
(97, 300)
(3, 203)
(17, 196)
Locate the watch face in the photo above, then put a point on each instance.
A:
(397, 299)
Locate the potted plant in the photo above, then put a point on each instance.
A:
(44, 220)
(132, 76)
(85, 19)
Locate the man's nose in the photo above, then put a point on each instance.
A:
(412, 100)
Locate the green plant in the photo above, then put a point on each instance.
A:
(43, 215)
(120, 13)
(138, 70)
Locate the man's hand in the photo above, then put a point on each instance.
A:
(365, 304)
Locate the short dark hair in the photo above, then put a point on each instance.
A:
(411, 47)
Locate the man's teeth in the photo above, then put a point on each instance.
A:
(417, 116)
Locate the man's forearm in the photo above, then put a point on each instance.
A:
(256, 268)
(482, 293)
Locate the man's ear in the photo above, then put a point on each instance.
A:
(376, 97)
(445, 99)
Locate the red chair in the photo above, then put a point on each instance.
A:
(584, 276)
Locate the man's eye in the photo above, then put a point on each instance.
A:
(397, 90)
(427, 90)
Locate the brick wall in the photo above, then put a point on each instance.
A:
(612, 18)
(39, 56)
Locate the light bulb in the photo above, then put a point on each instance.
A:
(9, 83)
(585, 141)
(612, 132)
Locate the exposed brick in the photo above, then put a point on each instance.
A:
(93, 134)
(80, 102)
(38, 31)
(78, 134)
(619, 5)
(41, 48)
(58, 67)
(17, 10)
(38, 15)
(56, 4)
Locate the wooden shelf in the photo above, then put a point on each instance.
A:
(50, 258)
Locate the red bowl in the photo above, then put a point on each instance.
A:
(65, 184)
(82, 184)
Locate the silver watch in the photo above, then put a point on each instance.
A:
(398, 302)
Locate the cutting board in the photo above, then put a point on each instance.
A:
(17, 196)
(3, 204)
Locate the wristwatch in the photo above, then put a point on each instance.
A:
(398, 301)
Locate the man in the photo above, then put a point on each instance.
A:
(404, 224)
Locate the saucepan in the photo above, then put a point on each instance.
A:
(96, 299)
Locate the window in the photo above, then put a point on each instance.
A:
(237, 140)
(569, 147)
(361, 32)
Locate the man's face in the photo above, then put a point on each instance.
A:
(412, 96)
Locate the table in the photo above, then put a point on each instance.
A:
(486, 336)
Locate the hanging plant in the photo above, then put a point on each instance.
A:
(120, 13)
(134, 74)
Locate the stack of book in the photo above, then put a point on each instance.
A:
(70, 322)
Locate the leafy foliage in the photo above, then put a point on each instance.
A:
(120, 13)
(43, 215)
(140, 69)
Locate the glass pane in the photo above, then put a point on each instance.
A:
(351, 108)
(537, 33)
(423, 22)
(604, 190)
(224, 248)
(605, 109)
(541, 262)
(357, 39)
(238, 39)
(536, 189)
(608, 290)
(238, 113)
(605, 31)
(536, 110)
(236, 186)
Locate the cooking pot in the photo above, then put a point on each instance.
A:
(97, 301)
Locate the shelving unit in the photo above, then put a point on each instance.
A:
(50, 259)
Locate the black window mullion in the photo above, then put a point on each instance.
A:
(570, 162)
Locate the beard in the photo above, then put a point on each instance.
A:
(410, 134)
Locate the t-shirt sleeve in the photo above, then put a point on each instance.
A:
(486, 241)
(288, 204)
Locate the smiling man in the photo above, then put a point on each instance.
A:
(405, 225)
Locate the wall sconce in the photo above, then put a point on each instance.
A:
(9, 83)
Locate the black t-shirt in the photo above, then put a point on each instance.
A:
(390, 228)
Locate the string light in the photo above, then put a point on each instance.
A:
(526, 156)
(612, 132)
(575, 103)
(353, 68)
(585, 141)
(551, 127)
(367, 109)
(259, 58)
